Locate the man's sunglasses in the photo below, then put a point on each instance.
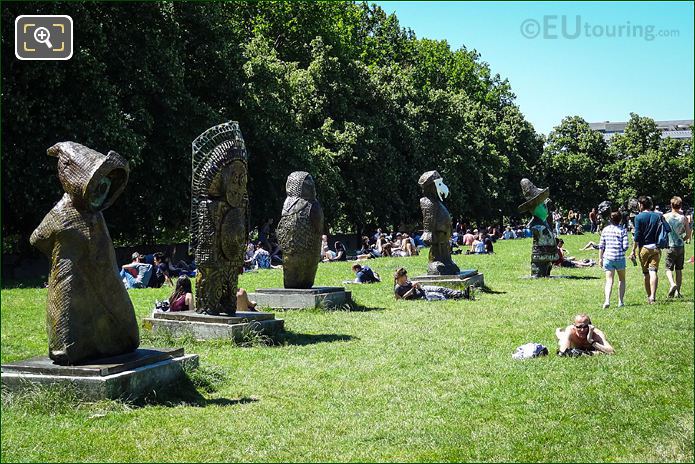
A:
(581, 326)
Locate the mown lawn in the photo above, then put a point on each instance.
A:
(395, 381)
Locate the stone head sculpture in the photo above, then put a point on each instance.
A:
(89, 313)
(299, 231)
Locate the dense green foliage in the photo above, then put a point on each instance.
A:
(583, 170)
(338, 89)
(400, 381)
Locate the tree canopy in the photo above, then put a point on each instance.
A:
(338, 89)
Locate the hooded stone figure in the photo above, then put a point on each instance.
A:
(299, 231)
(218, 216)
(544, 248)
(437, 224)
(89, 313)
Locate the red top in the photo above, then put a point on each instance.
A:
(179, 304)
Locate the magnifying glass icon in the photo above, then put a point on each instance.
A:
(42, 35)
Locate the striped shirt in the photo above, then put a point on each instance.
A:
(613, 242)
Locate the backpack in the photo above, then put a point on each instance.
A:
(662, 232)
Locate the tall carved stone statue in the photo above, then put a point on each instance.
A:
(544, 248)
(219, 204)
(89, 313)
(437, 224)
(299, 231)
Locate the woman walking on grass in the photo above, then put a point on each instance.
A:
(611, 257)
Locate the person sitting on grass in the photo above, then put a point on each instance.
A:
(489, 247)
(468, 238)
(327, 254)
(383, 246)
(478, 245)
(397, 247)
(182, 297)
(364, 274)
(408, 290)
(408, 244)
(508, 234)
(367, 252)
(248, 257)
(160, 272)
(261, 257)
(340, 253)
(582, 338)
(136, 274)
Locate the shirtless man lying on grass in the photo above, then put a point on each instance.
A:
(582, 338)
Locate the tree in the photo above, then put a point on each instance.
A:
(573, 165)
(646, 164)
(336, 88)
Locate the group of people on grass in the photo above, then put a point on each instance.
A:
(475, 241)
(153, 271)
(259, 257)
(577, 338)
(648, 225)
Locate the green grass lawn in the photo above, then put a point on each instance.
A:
(395, 381)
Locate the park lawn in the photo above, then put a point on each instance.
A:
(395, 380)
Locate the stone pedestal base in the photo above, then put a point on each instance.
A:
(205, 327)
(461, 280)
(130, 376)
(291, 298)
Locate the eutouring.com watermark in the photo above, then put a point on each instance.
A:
(573, 27)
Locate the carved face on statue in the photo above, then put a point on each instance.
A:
(236, 185)
(541, 212)
(101, 191)
(442, 189)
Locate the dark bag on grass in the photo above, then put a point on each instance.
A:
(161, 305)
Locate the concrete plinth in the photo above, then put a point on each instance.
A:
(461, 280)
(131, 375)
(205, 327)
(299, 298)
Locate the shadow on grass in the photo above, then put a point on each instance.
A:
(186, 393)
(572, 277)
(575, 277)
(49, 400)
(299, 339)
(346, 307)
(355, 308)
(486, 289)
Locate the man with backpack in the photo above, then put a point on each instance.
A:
(649, 228)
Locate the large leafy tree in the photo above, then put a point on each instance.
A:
(573, 165)
(646, 164)
(336, 88)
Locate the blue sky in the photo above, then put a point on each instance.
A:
(591, 75)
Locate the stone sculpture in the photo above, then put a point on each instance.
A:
(89, 313)
(437, 224)
(219, 204)
(544, 248)
(299, 231)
